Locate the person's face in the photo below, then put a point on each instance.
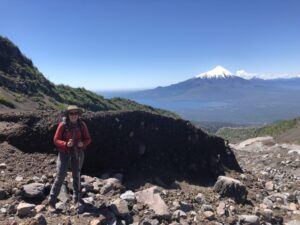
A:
(73, 115)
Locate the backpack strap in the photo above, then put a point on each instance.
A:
(63, 130)
(81, 128)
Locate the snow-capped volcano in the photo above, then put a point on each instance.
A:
(217, 72)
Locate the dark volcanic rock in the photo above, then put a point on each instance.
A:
(135, 142)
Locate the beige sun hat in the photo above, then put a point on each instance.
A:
(73, 108)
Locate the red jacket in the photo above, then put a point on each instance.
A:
(63, 134)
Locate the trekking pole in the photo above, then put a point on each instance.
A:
(77, 157)
(79, 173)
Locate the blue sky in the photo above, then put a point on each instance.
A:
(119, 44)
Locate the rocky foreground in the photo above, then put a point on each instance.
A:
(268, 192)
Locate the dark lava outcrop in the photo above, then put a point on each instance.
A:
(138, 144)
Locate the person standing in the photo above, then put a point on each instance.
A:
(71, 139)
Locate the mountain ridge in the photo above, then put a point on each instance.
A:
(24, 87)
(229, 99)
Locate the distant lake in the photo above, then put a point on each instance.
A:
(175, 105)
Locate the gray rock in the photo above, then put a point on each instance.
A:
(200, 198)
(24, 209)
(3, 166)
(63, 194)
(3, 194)
(128, 196)
(3, 210)
(209, 215)
(89, 187)
(88, 179)
(269, 186)
(221, 209)
(175, 205)
(41, 220)
(205, 207)
(178, 214)
(110, 184)
(148, 221)
(88, 200)
(229, 187)
(18, 178)
(297, 196)
(152, 198)
(248, 219)
(120, 208)
(267, 215)
(268, 202)
(61, 206)
(186, 207)
(33, 190)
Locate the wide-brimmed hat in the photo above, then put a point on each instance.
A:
(73, 108)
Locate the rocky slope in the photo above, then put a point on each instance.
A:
(127, 144)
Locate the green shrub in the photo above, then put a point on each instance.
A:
(6, 102)
(277, 128)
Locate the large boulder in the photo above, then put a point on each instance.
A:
(138, 143)
(229, 187)
(33, 190)
(152, 199)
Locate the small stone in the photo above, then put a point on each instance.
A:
(205, 208)
(95, 222)
(249, 219)
(268, 202)
(24, 209)
(293, 206)
(269, 186)
(128, 196)
(232, 210)
(175, 205)
(221, 210)
(40, 219)
(209, 215)
(60, 206)
(3, 166)
(267, 215)
(200, 198)
(40, 208)
(148, 221)
(88, 200)
(178, 214)
(19, 179)
(120, 208)
(3, 194)
(3, 210)
(44, 179)
(186, 207)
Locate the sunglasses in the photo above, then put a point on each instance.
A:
(73, 114)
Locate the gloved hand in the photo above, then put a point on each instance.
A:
(70, 143)
(80, 144)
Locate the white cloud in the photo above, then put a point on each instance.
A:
(244, 74)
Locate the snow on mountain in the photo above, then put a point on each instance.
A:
(217, 72)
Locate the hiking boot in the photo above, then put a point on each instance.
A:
(51, 207)
(80, 208)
